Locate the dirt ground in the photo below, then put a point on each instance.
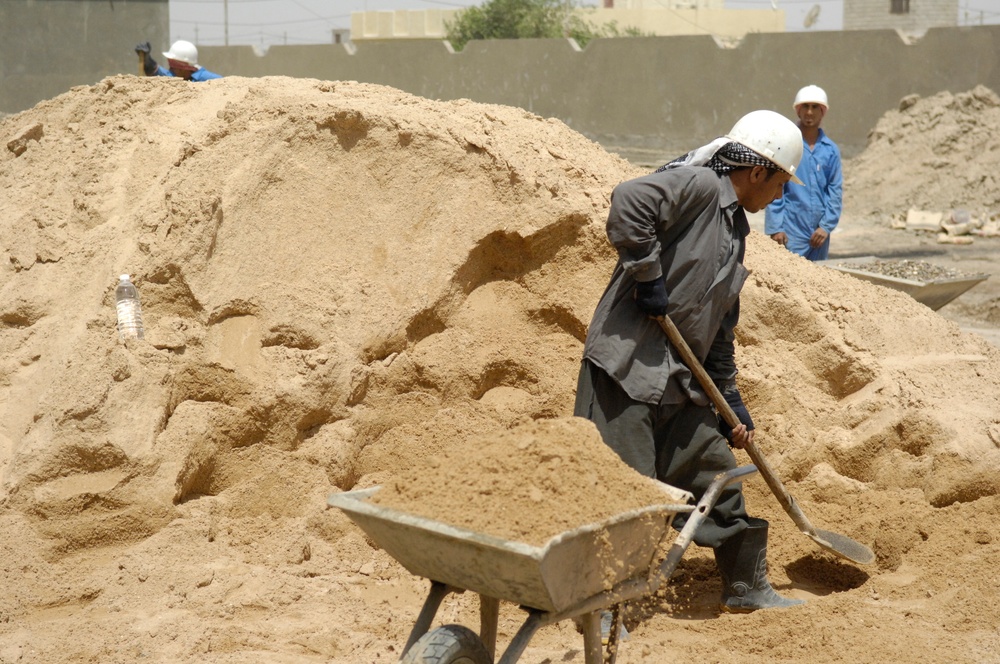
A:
(345, 287)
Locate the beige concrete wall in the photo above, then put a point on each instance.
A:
(49, 46)
(665, 93)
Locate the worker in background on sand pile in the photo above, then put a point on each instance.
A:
(804, 217)
(681, 235)
(182, 62)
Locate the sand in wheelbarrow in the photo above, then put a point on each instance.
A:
(525, 484)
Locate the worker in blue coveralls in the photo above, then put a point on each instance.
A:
(182, 62)
(804, 217)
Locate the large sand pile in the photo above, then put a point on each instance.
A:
(339, 280)
(933, 153)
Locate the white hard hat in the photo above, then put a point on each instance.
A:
(811, 94)
(184, 51)
(772, 136)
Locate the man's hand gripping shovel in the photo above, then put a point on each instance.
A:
(843, 546)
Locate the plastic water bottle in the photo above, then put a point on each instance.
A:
(129, 309)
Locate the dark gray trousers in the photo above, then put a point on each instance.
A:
(678, 444)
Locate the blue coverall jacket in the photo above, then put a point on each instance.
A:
(201, 75)
(801, 210)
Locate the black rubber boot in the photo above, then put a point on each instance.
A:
(742, 561)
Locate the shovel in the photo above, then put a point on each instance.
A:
(843, 546)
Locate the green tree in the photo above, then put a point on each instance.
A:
(528, 19)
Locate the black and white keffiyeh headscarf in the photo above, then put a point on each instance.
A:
(722, 156)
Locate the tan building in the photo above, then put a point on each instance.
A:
(401, 24)
(663, 4)
(688, 17)
(654, 17)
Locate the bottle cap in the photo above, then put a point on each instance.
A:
(123, 277)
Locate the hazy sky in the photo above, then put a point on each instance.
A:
(267, 22)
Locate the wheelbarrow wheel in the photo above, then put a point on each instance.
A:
(449, 644)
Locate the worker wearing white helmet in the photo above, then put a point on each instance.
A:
(803, 219)
(681, 235)
(182, 61)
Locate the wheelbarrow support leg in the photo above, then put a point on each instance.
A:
(489, 620)
(593, 650)
(431, 605)
(520, 641)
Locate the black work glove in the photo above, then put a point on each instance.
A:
(148, 63)
(732, 396)
(651, 296)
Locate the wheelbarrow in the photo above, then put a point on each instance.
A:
(575, 575)
(934, 293)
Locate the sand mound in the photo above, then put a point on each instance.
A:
(340, 280)
(933, 153)
(527, 482)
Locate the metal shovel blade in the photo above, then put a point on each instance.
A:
(843, 546)
(836, 543)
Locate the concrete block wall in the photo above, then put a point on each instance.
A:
(876, 14)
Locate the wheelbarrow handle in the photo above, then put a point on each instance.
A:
(694, 520)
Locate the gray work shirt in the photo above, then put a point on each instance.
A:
(683, 223)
